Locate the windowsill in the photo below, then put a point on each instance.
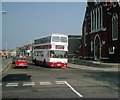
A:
(115, 39)
(111, 52)
(98, 30)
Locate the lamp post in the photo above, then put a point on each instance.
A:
(1, 12)
(4, 12)
(31, 48)
(100, 53)
(101, 45)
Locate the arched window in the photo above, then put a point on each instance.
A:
(114, 27)
(97, 18)
(91, 20)
(101, 17)
(114, 3)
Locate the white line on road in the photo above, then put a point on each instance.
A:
(60, 82)
(45, 83)
(28, 83)
(12, 84)
(74, 90)
(0, 84)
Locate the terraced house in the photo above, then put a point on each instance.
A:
(101, 31)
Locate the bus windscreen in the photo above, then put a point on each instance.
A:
(58, 54)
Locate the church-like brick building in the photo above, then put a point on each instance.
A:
(101, 31)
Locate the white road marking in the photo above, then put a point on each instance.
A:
(12, 84)
(0, 84)
(45, 83)
(60, 82)
(28, 83)
(73, 89)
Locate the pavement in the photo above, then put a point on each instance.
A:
(111, 67)
(93, 65)
(5, 65)
(89, 65)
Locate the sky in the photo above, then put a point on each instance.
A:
(25, 21)
(0, 26)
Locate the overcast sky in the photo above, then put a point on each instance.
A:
(25, 21)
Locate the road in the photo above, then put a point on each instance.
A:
(4, 62)
(40, 82)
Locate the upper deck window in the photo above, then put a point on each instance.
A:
(59, 39)
(43, 40)
(55, 39)
(64, 39)
(115, 27)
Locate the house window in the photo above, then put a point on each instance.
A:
(97, 1)
(114, 3)
(96, 19)
(93, 20)
(101, 17)
(111, 50)
(91, 45)
(114, 27)
(118, 2)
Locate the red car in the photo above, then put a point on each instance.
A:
(21, 62)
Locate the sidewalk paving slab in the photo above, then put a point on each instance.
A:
(99, 67)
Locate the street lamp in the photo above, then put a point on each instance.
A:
(101, 45)
(31, 48)
(4, 12)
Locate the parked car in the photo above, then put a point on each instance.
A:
(21, 62)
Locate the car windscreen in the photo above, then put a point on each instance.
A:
(21, 59)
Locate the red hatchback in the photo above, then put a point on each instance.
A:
(21, 62)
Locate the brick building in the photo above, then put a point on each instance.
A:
(74, 42)
(101, 31)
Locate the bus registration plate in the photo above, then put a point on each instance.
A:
(58, 64)
(21, 64)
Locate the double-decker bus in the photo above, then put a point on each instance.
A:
(51, 51)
